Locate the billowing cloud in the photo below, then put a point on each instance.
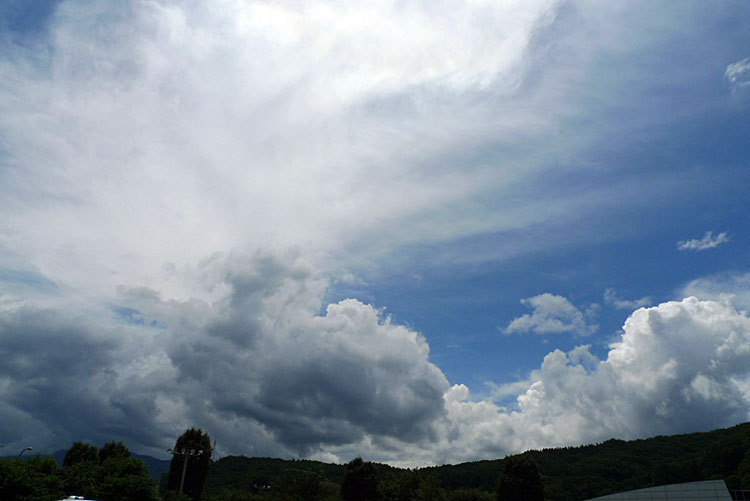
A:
(552, 314)
(257, 362)
(679, 366)
(709, 241)
(266, 372)
(610, 297)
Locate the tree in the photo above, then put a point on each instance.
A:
(294, 484)
(125, 479)
(430, 490)
(113, 450)
(520, 481)
(407, 485)
(80, 452)
(37, 478)
(360, 481)
(82, 478)
(191, 454)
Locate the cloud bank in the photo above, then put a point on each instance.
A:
(262, 362)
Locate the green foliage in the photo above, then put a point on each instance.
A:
(35, 479)
(82, 478)
(743, 472)
(109, 474)
(80, 452)
(116, 478)
(186, 449)
(429, 489)
(125, 479)
(405, 487)
(470, 495)
(360, 482)
(298, 485)
(724, 457)
(241, 478)
(113, 450)
(520, 481)
(176, 496)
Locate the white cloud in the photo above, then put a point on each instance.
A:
(680, 366)
(610, 297)
(707, 242)
(738, 74)
(161, 132)
(552, 314)
(730, 288)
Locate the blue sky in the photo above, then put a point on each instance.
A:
(418, 232)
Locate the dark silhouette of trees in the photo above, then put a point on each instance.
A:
(117, 478)
(109, 474)
(406, 486)
(35, 478)
(193, 446)
(520, 481)
(360, 481)
(429, 489)
(113, 450)
(296, 484)
(80, 452)
(125, 479)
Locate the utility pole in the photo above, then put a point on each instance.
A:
(187, 454)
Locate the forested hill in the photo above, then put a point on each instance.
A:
(573, 473)
(570, 473)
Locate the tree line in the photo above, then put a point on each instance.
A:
(108, 473)
(561, 474)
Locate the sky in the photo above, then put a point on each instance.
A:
(420, 232)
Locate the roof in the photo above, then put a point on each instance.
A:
(708, 490)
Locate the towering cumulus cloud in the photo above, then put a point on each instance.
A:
(679, 366)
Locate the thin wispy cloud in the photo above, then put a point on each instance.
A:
(738, 74)
(610, 297)
(709, 241)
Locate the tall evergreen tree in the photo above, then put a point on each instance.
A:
(191, 455)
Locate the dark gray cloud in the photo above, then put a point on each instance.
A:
(63, 373)
(332, 379)
(259, 354)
